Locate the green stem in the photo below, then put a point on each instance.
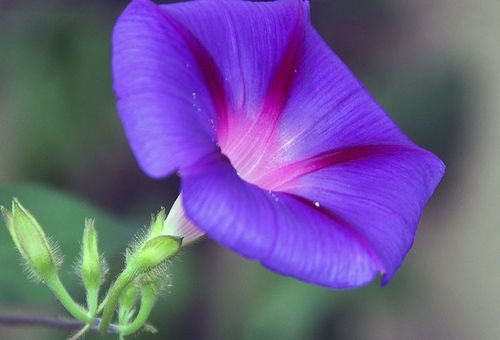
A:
(148, 299)
(67, 301)
(123, 314)
(92, 301)
(113, 295)
(101, 306)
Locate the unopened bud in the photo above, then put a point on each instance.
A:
(92, 265)
(31, 241)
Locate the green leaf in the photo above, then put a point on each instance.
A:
(63, 218)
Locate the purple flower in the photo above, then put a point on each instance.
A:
(284, 156)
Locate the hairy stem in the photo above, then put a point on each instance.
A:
(92, 301)
(148, 300)
(67, 301)
(113, 295)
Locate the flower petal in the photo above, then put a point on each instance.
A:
(164, 102)
(329, 109)
(182, 71)
(285, 233)
(177, 224)
(253, 44)
(381, 196)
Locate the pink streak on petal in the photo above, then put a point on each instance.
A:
(210, 72)
(278, 93)
(250, 143)
(283, 178)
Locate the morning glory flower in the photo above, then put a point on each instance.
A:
(284, 156)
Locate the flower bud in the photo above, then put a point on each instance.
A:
(154, 252)
(92, 265)
(31, 242)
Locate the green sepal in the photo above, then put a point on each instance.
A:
(156, 226)
(155, 229)
(153, 253)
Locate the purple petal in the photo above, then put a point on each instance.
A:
(254, 45)
(329, 109)
(165, 103)
(182, 70)
(285, 233)
(381, 196)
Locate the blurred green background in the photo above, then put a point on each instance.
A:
(434, 66)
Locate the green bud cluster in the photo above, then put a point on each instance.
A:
(134, 292)
(145, 262)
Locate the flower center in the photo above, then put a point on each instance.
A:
(252, 151)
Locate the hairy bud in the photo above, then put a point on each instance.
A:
(31, 242)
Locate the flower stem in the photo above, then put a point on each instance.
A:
(113, 295)
(92, 301)
(148, 300)
(67, 301)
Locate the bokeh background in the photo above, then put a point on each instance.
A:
(434, 66)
